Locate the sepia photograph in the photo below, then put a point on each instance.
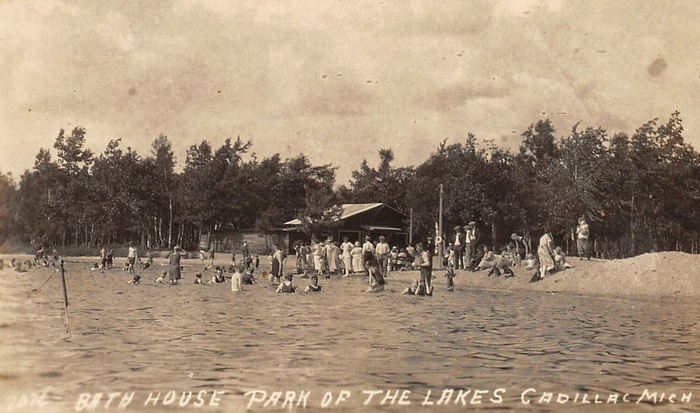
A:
(349, 206)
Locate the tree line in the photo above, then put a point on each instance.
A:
(639, 192)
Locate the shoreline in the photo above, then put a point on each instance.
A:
(652, 276)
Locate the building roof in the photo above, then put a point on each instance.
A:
(348, 210)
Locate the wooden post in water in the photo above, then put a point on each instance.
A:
(440, 241)
(65, 293)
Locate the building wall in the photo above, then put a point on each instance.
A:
(259, 242)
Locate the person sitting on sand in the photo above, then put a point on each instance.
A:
(198, 278)
(560, 259)
(477, 257)
(488, 260)
(135, 280)
(125, 267)
(314, 287)
(529, 263)
(376, 280)
(236, 284)
(502, 263)
(286, 285)
(39, 255)
(450, 275)
(144, 265)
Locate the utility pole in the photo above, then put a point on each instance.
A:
(439, 241)
(410, 228)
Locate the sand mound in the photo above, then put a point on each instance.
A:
(663, 273)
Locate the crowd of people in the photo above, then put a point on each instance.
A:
(376, 260)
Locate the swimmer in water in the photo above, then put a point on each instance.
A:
(161, 279)
(286, 285)
(313, 287)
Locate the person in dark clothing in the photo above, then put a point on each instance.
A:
(286, 285)
(174, 269)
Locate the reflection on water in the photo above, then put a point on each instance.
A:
(160, 338)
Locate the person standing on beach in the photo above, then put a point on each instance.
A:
(470, 239)
(103, 258)
(277, 264)
(458, 248)
(356, 252)
(382, 253)
(367, 250)
(212, 254)
(174, 272)
(329, 253)
(132, 256)
(245, 249)
(582, 242)
(347, 247)
(545, 253)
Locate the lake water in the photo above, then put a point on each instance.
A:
(157, 338)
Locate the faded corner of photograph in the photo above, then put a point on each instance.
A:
(408, 206)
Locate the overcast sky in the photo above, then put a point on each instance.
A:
(338, 80)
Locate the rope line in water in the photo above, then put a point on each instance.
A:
(36, 290)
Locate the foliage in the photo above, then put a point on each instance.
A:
(640, 192)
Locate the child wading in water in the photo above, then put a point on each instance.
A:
(426, 271)
(247, 277)
(286, 285)
(313, 287)
(376, 280)
(218, 276)
(161, 279)
(411, 289)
